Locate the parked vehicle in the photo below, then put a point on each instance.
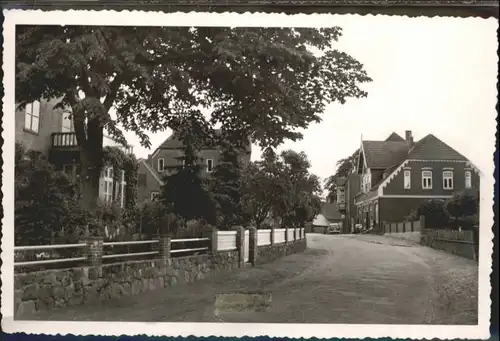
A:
(334, 228)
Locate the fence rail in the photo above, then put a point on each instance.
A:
(95, 251)
(47, 247)
(132, 242)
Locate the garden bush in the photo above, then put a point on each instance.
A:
(436, 215)
(44, 199)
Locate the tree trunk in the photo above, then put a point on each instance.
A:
(91, 172)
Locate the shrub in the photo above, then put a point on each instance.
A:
(436, 215)
(44, 199)
(464, 208)
(464, 203)
(155, 218)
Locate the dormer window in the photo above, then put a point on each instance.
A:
(161, 165)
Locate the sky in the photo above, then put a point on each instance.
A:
(430, 75)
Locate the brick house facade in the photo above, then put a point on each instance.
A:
(347, 189)
(397, 175)
(41, 127)
(169, 154)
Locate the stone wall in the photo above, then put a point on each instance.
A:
(269, 253)
(44, 290)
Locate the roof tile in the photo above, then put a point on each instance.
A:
(383, 154)
(432, 148)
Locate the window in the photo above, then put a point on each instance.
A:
(122, 188)
(447, 180)
(67, 123)
(340, 195)
(32, 117)
(155, 196)
(468, 179)
(427, 179)
(407, 179)
(210, 165)
(108, 184)
(161, 165)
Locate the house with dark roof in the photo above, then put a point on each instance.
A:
(398, 174)
(169, 155)
(329, 215)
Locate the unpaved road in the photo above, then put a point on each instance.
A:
(338, 279)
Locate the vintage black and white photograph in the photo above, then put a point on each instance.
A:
(323, 175)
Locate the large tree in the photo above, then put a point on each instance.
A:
(266, 82)
(302, 202)
(344, 167)
(281, 185)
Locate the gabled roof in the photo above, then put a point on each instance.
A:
(174, 142)
(432, 148)
(383, 154)
(395, 138)
(330, 211)
(155, 175)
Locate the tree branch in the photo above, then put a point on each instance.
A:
(78, 118)
(113, 91)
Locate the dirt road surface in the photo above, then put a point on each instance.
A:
(338, 279)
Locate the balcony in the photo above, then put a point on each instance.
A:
(67, 141)
(64, 140)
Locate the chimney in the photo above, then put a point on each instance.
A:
(409, 138)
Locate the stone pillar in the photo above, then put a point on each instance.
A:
(213, 235)
(240, 244)
(286, 235)
(295, 235)
(253, 247)
(164, 246)
(411, 226)
(272, 235)
(94, 250)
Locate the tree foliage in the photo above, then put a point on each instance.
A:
(461, 210)
(435, 213)
(226, 186)
(281, 185)
(344, 168)
(265, 82)
(185, 192)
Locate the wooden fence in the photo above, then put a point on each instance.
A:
(94, 251)
(463, 243)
